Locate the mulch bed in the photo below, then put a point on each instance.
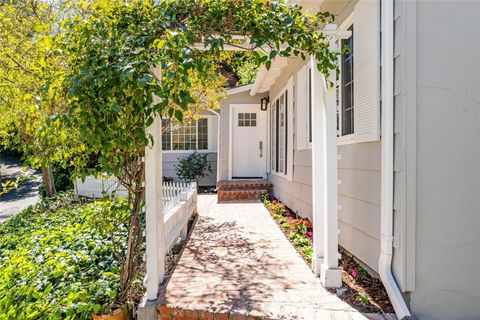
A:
(361, 287)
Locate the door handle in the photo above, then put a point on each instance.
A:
(260, 145)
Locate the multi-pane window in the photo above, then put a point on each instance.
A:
(247, 119)
(279, 132)
(166, 135)
(202, 134)
(185, 136)
(346, 86)
(273, 134)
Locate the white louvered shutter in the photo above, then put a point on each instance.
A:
(366, 55)
(302, 108)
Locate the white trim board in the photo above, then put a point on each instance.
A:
(239, 89)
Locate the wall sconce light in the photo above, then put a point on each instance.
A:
(264, 103)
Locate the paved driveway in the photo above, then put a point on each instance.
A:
(17, 200)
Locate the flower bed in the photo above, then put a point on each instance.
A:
(298, 230)
(360, 290)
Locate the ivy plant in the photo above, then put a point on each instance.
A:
(58, 260)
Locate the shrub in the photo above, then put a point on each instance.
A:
(193, 167)
(57, 259)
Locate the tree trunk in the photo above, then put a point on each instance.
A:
(48, 181)
(133, 258)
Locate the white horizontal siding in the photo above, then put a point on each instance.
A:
(359, 170)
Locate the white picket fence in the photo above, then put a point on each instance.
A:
(179, 202)
(97, 187)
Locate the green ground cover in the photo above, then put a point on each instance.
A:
(58, 260)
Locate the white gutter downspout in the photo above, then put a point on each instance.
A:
(218, 142)
(386, 253)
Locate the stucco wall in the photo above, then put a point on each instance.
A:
(448, 161)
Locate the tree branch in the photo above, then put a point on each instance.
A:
(19, 64)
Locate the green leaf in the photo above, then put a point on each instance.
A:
(127, 73)
(149, 121)
(179, 115)
(268, 64)
(116, 108)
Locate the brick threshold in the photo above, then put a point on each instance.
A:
(168, 313)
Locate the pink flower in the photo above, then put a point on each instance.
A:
(307, 223)
(310, 234)
(354, 273)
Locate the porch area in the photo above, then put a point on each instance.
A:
(238, 264)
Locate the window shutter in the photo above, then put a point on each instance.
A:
(366, 55)
(302, 108)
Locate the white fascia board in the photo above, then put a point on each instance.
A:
(263, 75)
(258, 80)
(239, 89)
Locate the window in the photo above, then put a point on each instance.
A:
(345, 99)
(185, 136)
(279, 133)
(247, 119)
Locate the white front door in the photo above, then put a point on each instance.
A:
(249, 149)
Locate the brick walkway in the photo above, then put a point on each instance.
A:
(238, 264)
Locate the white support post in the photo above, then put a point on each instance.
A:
(155, 224)
(324, 170)
(317, 166)
(330, 274)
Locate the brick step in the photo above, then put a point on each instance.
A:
(240, 195)
(244, 185)
(167, 313)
